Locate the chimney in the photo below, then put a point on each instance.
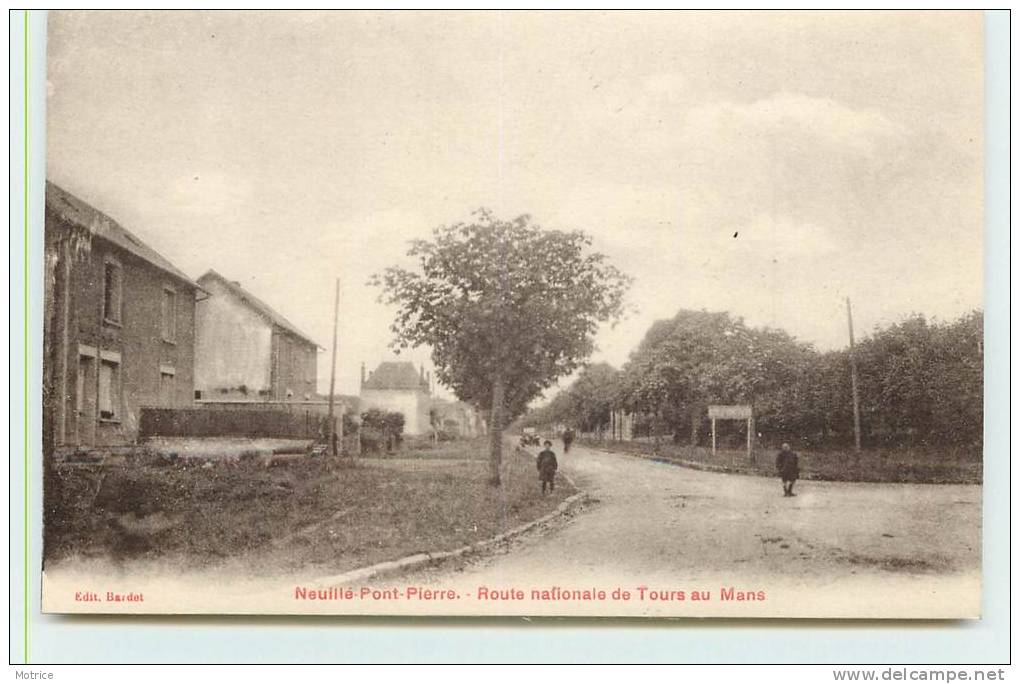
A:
(363, 373)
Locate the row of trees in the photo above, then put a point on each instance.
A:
(920, 382)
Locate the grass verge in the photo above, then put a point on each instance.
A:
(467, 449)
(922, 466)
(307, 516)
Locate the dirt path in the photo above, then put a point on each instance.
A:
(836, 549)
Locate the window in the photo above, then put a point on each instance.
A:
(169, 311)
(111, 292)
(109, 390)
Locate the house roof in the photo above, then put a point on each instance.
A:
(395, 375)
(258, 305)
(76, 211)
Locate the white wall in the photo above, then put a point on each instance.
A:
(412, 403)
(233, 345)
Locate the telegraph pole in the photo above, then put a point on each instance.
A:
(332, 371)
(853, 379)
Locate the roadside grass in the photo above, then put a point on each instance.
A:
(471, 449)
(904, 465)
(309, 515)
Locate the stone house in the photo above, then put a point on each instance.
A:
(119, 327)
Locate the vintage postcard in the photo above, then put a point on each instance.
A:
(648, 314)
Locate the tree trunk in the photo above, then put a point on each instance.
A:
(496, 430)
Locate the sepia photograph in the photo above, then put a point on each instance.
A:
(514, 313)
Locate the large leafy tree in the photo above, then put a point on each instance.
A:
(922, 381)
(593, 396)
(683, 363)
(506, 308)
(956, 379)
(701, 357)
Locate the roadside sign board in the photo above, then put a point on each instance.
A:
(734, 412)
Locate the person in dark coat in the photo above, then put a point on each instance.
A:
(547, 465)
(788, 468)
(568, 439)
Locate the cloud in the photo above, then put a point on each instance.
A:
(725, 162)
(794, 120)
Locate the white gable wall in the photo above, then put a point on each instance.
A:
(414, 404)
(233, 346)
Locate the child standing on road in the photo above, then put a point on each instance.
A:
(547, 467)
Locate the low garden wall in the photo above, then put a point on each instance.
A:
(228, 422)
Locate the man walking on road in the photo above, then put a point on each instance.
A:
(547, 467)
(788, 468)
(568, 439)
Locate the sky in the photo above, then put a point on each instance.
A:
(767, 164)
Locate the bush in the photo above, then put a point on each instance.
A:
(372, 440)
(381, 430)
(350, 424)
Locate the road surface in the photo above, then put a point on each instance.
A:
(836, 549)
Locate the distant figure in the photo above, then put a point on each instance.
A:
(788, 469)
(547, 467)
(568, 439)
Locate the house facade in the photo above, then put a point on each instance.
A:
(119, 328)
(246, 351)
(396, 386)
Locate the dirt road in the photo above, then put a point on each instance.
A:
(836, 549)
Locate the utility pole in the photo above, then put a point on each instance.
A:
(332, 371)
(853, 379)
